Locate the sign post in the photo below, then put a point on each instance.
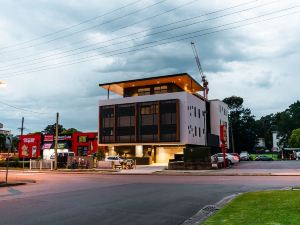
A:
(223, 137)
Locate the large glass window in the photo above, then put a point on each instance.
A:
(107, 129)
(161, 89)
(168, 120)
(144, 91)
(125, 123)
(148, 121)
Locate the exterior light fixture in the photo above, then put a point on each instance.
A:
(2, 84)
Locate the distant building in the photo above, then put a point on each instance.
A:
(159, 117)
(275, 140)
(261, 143)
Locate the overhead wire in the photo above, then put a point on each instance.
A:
(135, 33)
(130, 40)
(72, 26)
(86, 59)
(88, 28)
(22, 109)
(118, 29)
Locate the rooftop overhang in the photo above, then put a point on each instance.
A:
(183, 80)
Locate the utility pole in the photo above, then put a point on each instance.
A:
(22, 126)
(232, 140)
(56, 140)
(22, 129)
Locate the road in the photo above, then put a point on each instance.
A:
(120, 199)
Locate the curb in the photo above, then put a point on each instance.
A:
(208, 210)
(155, 173)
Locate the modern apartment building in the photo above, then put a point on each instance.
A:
(159, 117)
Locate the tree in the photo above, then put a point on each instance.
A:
(51, 129)
(264, 127)
(2, 141)
(242, 124)
(294, 140)
(70, 131)
(287, 121)
(234, 102)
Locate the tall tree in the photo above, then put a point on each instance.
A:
(70, 131)
(51, 129)
(242, 124)
(294, 140)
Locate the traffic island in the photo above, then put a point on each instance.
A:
(263, 208)
(10, 184)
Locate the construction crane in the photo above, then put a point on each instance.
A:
(203, 77)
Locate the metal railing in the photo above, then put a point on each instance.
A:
(41, 164)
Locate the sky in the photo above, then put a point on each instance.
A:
(54, 54)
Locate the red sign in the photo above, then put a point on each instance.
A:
(30, 146)
(48, 137)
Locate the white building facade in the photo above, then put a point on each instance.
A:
(159, 117)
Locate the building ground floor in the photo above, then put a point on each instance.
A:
(154, 153)
(160, 153)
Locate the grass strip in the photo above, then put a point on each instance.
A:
(260, 208)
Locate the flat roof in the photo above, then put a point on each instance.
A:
(182, 80)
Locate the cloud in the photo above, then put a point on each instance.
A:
(258, 62)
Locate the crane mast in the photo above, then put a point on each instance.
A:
(203, 77)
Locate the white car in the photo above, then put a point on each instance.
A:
(114, 159)
(231, 159)
(244, 156)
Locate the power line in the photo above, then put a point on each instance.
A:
(136, 38)
(22, 109)
(159, 44)
(72, 26)
(88, 28)
(120, 28)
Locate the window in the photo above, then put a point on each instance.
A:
(125, 123)
(199, 131)
(161, 89)
(199, 112)
(107, 123)
(195, 110)
(149, 109)
(195, 131)
(168, 120)
(148, 121)
(143, 91)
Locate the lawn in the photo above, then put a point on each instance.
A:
(260, 208)
(274, 156)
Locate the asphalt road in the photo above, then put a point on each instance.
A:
(120, 199)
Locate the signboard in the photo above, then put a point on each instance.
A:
(1, 125)
(30, 146)
(48, 137)
(82, 139)
(223, 134)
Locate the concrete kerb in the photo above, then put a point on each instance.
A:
(208, 211)
(161, 173)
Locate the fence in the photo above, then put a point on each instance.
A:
(41, 164)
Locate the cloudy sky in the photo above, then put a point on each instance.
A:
(53, 54)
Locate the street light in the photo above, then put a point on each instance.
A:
(2, 83)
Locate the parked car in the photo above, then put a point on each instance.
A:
(263, 158)
(125, 163)
(245, 156)
(231, 158)
(237, 155)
